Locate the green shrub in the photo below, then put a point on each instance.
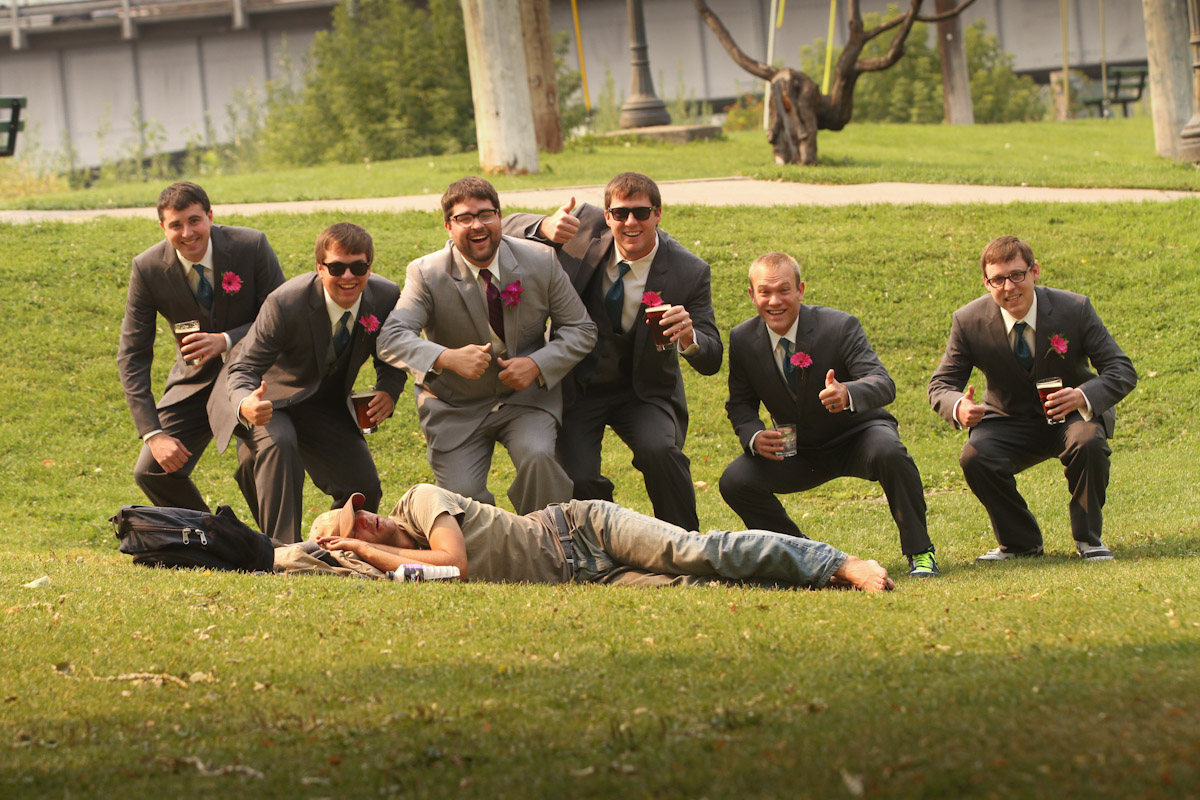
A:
(388, 80)
(744, 115)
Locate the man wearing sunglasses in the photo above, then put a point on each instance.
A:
(485, 370)
(289, 382)
(217, 276)
(1019, 334)
(617, 258)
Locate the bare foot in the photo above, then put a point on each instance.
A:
(869, 576)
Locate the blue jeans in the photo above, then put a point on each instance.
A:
(616, 545)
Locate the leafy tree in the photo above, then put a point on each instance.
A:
(997, 93)
(388, 80)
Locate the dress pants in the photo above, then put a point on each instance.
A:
(997, 449)
(528, 434)
(187, 421)
(319, 436)
(615, 545)
(648, 431)
(874, 452)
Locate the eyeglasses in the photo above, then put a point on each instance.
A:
(641, 213)
(338, 268)
(1016, 276)
(485, 217)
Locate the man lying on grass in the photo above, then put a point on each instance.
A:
(583, 540)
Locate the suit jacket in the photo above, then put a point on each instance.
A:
(444, 301)
(158, 285)
(978, 339)
(677, 275)
(834, 340)
(287, 347)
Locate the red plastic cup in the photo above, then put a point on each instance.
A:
(183, 329)
(662, 340)
(1045, 388)
(361, 400)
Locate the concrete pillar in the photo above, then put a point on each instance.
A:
(1170, 71)
(500, 86)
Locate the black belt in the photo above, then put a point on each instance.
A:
(559, 519)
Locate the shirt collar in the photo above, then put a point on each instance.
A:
(493, 265)
(1030, 318)
(791, 334)
(206, 261)
(335, 311)
(639, 268)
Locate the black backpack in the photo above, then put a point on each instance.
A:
(179, 537)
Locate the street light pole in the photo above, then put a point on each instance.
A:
(643, 108)
(1189, 137)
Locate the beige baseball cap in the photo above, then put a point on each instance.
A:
(338, 522)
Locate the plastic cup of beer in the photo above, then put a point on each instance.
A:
(182, 329)
(361, 400)
(662, 340)
(1045, 388)
(789, 439)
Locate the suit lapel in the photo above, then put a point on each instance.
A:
(1042, 333)
(222, 263)
(511, 270)
(806, 335)
(175, 279)
(319, 325)
(763, 356)
(473, 299)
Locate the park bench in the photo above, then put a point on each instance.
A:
(9, 127)
(1125, 86)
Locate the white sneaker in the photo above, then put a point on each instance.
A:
(1090, 552)
(1003, 554)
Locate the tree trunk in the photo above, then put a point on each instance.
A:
(499, 86)
(1170, 71)
(956, 82)
(543, 85)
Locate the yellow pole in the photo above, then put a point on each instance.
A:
(770, 59)
(587, 98)
(1062, 13)
(829, 46)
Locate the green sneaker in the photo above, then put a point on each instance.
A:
(923, 565)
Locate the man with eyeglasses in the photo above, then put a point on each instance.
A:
(485, 370)
(216, 276)
(287, 385)
(619, 262)
(1017, 335)
(818, 377)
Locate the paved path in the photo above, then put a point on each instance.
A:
(709, 191)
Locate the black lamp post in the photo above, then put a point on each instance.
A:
(643, 108)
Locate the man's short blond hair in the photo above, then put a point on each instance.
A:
(776, 262)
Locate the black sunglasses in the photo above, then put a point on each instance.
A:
(338, 268)
(642, 213)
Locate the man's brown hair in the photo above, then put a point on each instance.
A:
(468, 187)
(179, 196)
(350, 239)
(629, 184)
(1003, 250)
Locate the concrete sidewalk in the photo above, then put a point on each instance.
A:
(708, 191)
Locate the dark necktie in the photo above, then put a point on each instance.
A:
(1021, 347)
(789, 369)
(203, 287)
(342, 337)
(614, 301)
(495, 312)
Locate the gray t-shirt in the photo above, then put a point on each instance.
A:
(501, 546)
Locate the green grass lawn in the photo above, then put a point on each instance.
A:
(1103, 153)
(1045, 679)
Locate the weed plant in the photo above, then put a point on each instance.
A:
(1045, 679)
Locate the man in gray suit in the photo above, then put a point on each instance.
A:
(617, 258)
(289, 382)
(1016, 335)
(486, 371)
(216, 275)
(813, 369)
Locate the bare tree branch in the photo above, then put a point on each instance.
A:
(754, 67)
(961, 7)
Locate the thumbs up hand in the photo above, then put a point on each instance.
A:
(254, 409)
(968, 413)
(835, 396)
(561, 226)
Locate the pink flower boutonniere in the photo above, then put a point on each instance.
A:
(1057, 345)
(801, 360)
(370, 322)
(231, 283)
(511, 294)
(652, 299)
